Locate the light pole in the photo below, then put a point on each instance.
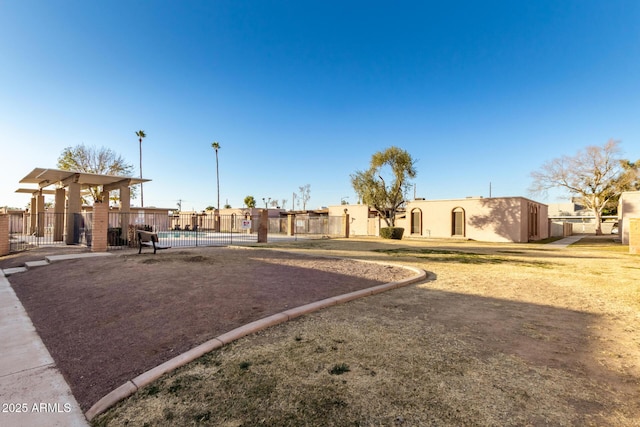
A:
(141, 135)
(216, 146)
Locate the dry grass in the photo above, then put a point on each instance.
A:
(506, 335)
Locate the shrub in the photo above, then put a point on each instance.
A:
(391, 232)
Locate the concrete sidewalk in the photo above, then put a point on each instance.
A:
(563, 243)
(33, 392)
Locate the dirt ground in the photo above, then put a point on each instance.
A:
(106, 320)
(508, 334)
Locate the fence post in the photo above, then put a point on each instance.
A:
(291, 223)
(345, 224)
(5, 245)
(263, 225)
(634, 236)
(100, 227)
(216, 221)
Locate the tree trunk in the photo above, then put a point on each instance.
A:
(598, 220)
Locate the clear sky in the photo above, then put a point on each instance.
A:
(303, 92)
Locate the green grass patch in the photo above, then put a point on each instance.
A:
(339, 369)
(463, 257)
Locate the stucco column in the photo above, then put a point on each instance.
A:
(125, 210)
(33, 215)
(99, 227)
(58, 211)
(40, 213)
(74, 205)
(5, 245)
(634, 236)
(263, 225)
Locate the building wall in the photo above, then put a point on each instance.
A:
(505, 219)
(359, 216)
(628, 207)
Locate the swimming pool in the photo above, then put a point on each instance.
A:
(179, 234)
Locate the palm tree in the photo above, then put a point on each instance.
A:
(141, 135)
(216, 146)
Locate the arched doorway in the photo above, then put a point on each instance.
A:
(457, 222)
(416, 221)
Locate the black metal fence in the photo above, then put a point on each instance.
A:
(182, 230)
(176, 230)
(45, 229)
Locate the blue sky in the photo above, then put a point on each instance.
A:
(303, 92)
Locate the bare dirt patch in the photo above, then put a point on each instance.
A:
(506, 335)
(106, 320)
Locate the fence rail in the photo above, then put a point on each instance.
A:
(46, 229)
(175, 230)
(182, 230)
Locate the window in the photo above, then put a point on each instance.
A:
(457, 222)
(416, 221)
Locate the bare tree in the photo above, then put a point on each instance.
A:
(102, 161)
(596, 174)
(305, 195)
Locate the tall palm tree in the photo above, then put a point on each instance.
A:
(216, 146)
(141, 135)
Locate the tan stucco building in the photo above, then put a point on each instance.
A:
(496, 219)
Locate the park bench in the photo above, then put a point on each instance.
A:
(147, 238)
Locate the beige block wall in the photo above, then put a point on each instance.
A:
(628, 207)
(358, 217)
(634, 235)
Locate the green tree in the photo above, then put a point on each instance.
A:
(372, 188)
(250, 201)
(597, 175)
(216, 146)
(141, 135)
(103, 161)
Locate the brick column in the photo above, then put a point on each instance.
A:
(216, 220)
(100, 227)
(634, 236)
(4, 235)
(263, 225)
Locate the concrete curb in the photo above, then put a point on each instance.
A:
(146, 378)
